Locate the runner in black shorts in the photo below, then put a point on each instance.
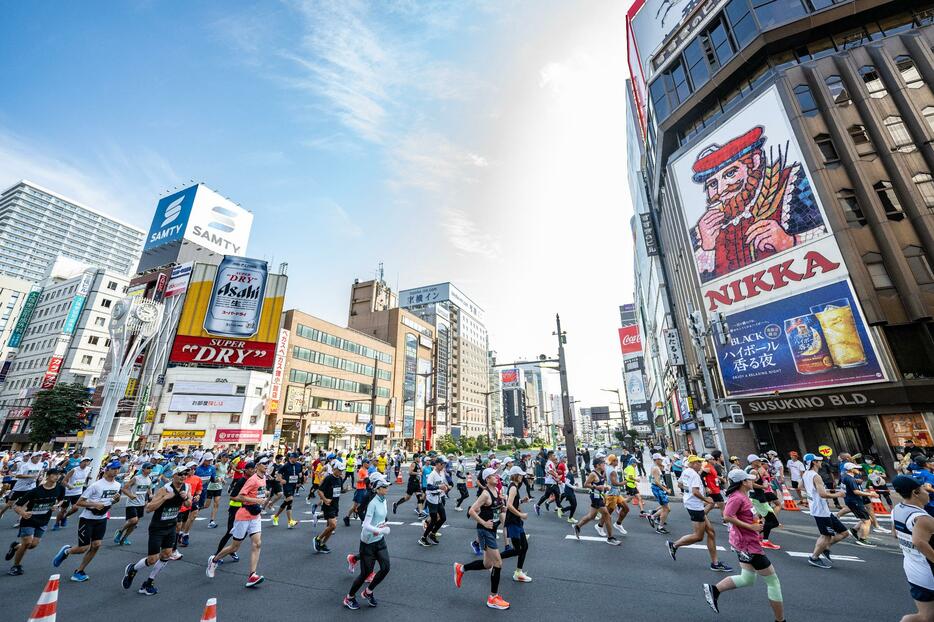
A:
(412, 487)
(275, 488)
(330, 495)
(597, 484)
(290, 474)
(165, 506)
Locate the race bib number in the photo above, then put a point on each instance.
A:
(261, 493)
(293, 479)
(336, 492)
(78, 483)
(42, 508)
(170, 513)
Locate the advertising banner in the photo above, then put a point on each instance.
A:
(202, 216)
(182, 437)
(232, 435)
(51, 372)
(673, 346)
(278, 371)
(231, 352)
(509, 378)
(629, 339)
(16, 337)
(207, 403)
(185, 387)
(635, 388)
(77, 303)
(761, 242)
(178, 282)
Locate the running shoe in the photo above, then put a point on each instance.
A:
(520, 577)
(275, 521)
(652, 522)
(559, 512)
(185, 540)
(424, 541)
(826, 554)
(323, 548)
(496, 602)
(16, 571)
(315, 545)
(11, 551)
(720, 567)
(292, 524)
(538, 511)
(176, 556)
(882, 530)
(600, 530)
(234, 557)
(577, 532)
(672, 549)
(212, 567)
(613, 541)
(370, 598)
(711, 596)
(346, 521)
(314, 520)
(433, 538)
(572, 520)
(458, 574)
(126, 542)
(128, 574)
(148, 588)
(79, 577)
(254, 580)
(864, 542)
(768, 544)
(351, 563)
(61, 555)
(56, 527)
(395, 507)
(622, 531)
(458, 508)
(212, 525)
(817, 562)
(475, 547)
(548, 506)
(351, 603)
(117, 537)
(663, 530)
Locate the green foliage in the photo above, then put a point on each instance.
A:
(56, 412)
(619, 436)
(446, 444)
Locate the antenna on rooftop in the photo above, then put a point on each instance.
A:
(379, 272)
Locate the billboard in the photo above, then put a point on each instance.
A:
(77, 303)
(629, 339)
(178, 282)
(236, 435)
(219, 311)
(207, 403)
(635, 387)
(202, 216)
(509, 378)
(29, 306)
(760, 240)
(278, 371)
(600, 413)
(195, 387)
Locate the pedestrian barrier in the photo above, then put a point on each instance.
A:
(210, 611)
(877, 507)
(788, 501)
(469, 481)
(48, 602)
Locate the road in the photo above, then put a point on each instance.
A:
(570, 577)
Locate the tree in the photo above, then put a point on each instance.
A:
(619, 436)
(56, 412)
(446, 444)
(335, 432)
(481, 444)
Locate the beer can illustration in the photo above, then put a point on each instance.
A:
(838, 324)
(808, 348)
(237, 297)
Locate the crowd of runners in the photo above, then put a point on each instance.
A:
(176, 487)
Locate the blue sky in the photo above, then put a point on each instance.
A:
(475, 141)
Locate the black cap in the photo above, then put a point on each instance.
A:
(249, 465)
(905, 485)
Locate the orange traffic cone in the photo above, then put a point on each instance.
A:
(788, 501)
(210, 611)
(877, 507)
(469, 481)
(48, 602)
(399, 478)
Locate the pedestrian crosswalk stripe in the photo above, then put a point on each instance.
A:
(699, 546)
(842, 558)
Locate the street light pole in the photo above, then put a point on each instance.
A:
(569, 441)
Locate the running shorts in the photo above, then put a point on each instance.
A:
(794, 484)
(243, 528)
(632, 492)
(597, 502)
(717, 497)
(921, 594)
(514, 531)
(274, 488)
(660, 495)
(34, 531)
(289, 490)
(859, 509)
(213, 494)
(331, 511)
(160, 537)
(614, 501)
(359, 495)
(829, 525)
(413, 486)
(697, 516)
(434, 508)
(770, 497)
(757, 560)
(91, 530)
(486, 538)
(135, 511)
(183, 516)
(70, 500)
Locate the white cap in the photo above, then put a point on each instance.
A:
(508, 460)
(207, 456)
(849, 466)
(191, 465)
(516, 470)
(738, 475)
(752, 458)
(488, 472)
(657, 457)
(157, 456)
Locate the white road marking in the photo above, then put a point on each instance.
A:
(699, 546)
(833, 557)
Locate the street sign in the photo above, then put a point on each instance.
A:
(673, 344)
(369, 427)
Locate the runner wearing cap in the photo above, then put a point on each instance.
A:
(75, 481)
(760, 500)
(914, 530)
(435, 490)
(596, 482)
(631, 478)
(136, 489)
(551, 484)
(329, 494)
(829, 527)
(659, 518)
(360, 491)
(854, 497)
(744, 539)
(412, 487)
(247, 522)
(795, 472)
(695, 503)
(274, 481)
(25, 478)
(290, 474)
(373, 549)
(712, 478)
(514, 524)
(189, 511)
(614, 497)
(35, 510)
(234, 506)
(95, 503)
(460, 481)
(487, 511)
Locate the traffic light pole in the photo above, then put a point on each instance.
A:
(569, 441)
(699, 332)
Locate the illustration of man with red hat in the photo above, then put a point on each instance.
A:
(755, 206)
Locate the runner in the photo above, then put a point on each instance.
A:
(75, 482)
(796, 471)
(659, 518)
(329, 494)
(436, 490)
(274, 481)
(207, 473)
(566, 485)
(551, 484)
(631, 477)
(615, 498)
(189, 510)
(165, 506)
(854, 498)
(711, 475)
(487, 511)
(136, 490)
(215, 487)
(829, 527)
(694, 502)
(460, 480)
(759, 496)
(744, 539)
(95, 503)
(359, 491)
(25, 479)
(247, 523)
(914, 530)
(413, 487)
(35, 510)
(234, 506)
(515, 523)
(290, 474)
(596, 483)
(373, 549)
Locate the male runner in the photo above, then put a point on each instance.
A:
(631, 476)
(711, 475)
(659, 518)
(25, 479)
(551, 483)
(215, 487)
(233, 507)
(914, 529)
(190, 509)
(329, 494)
(855, 497)
(413, 487)
(596, 483)
(359, 494)
(694, 502)
(436, 489)
(614, 497)
(795, 472)
(74, 481)
(460, 480)
(290, 474)
(35, 510)
(829, 527)
(136, 490)
(566, 485)
(95, 502)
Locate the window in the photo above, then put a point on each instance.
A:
(253, 419)
(191, 418)
(716, 42)
(815, 50)
(241, 390)
(852, 39)
(893, 209)
(162, 418)
(901, 139)
(929, 117)
(87, 359)
(94, 340)
(112, 285)
(925, 184)
(234, 418)
(825, 144)
(910, 74)
(850, 206)
(105, 302)
(911, 346)
(741, 22)
(838, 90)
(873, 82)
(100, 320)
(774, 12)
(919, 265)
(258, 392)
(805, 99)
(696, 60)
(861, 139)
(877, 272)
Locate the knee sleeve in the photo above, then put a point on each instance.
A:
(774, 587)
(745, 578)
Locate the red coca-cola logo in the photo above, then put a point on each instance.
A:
(629, 339)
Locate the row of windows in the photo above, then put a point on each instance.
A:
(344, 344)
(339, 384)
(329, 360)
(917, 262)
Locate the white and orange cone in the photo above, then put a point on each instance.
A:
(47, 606)
(210, 611)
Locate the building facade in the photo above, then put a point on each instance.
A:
(468, 356)
(15, 296)
(788, 173)
(38, 225)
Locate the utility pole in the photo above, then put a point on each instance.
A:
(699, 332)
(569, 441)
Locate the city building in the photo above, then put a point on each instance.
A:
(38, 225)
(467, 357)
(327, 386)
(515, 410)
(496, 397)
(418, 415)
(15, 296)
(787, 163)
(65, 340)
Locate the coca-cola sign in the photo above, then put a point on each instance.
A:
(226, 352)
(629, 339)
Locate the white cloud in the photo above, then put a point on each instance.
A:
(466, 236)
(338, 220)
(429, 161)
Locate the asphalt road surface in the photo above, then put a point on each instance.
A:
(635, 581)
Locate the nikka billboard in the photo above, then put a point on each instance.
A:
(761, 241)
